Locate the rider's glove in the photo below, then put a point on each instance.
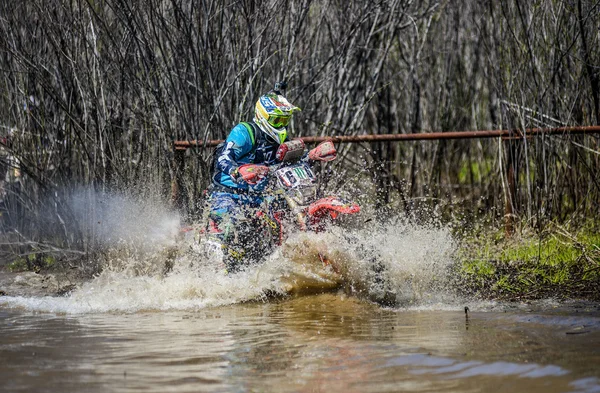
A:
(249, 173)
(325, 151)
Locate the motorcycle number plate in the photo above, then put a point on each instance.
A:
(295, 175)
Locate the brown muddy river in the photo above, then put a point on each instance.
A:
(320, 343)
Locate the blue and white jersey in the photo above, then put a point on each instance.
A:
(243, 148)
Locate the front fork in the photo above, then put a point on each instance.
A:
(300, 215)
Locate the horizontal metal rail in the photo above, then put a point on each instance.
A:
(529, 132)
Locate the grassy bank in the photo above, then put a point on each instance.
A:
(560, 262)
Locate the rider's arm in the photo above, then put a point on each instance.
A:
(237, 145)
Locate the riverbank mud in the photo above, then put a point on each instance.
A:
(31, 284)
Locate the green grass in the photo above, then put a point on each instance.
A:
(33, 262)
(18, 265)
(556, 263)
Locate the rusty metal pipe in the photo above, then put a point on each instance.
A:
(179, 145)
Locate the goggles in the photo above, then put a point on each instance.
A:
(279, 121)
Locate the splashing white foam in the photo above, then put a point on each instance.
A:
(399, 263)
(109, 220)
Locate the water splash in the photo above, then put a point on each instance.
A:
(124, 221)
(396, 264)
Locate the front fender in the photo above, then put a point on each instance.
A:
(332, 206)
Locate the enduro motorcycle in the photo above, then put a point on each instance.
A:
(291, 203)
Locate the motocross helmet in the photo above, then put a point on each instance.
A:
(273, 113)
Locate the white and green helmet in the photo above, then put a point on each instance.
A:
(273, 113)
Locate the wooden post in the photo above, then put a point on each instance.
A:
(509, 209)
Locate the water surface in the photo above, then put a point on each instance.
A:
(328, 342)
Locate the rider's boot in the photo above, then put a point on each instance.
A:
(233, 258)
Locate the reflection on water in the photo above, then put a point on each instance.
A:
(319, 343)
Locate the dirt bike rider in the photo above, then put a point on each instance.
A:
(234, 192)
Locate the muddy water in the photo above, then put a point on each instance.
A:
(328, 342)
(137, 327)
